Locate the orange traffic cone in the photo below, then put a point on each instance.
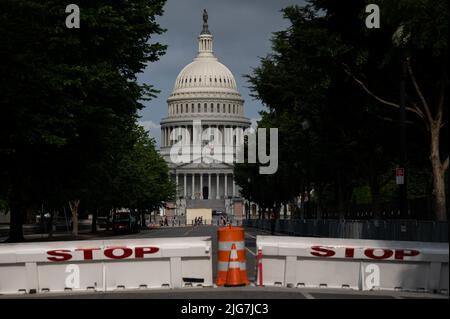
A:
(234, 270)
(231, 237)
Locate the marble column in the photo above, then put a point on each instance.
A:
(209, 186)
(234, 186)
(193, 186)
(201, 185)
(217, 186)
(185, 184)
(226, 185)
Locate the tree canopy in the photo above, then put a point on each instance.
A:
(332, 86)
(69, 97)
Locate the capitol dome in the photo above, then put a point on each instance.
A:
(204, 95)
(205, 72)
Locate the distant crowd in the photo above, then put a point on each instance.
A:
(198, 221)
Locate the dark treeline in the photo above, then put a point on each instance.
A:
(68, 109)
(332, 87)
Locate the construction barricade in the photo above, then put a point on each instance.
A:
(351, 263)
(231, 259)
(105, 265)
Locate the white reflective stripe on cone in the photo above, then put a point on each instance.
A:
(226, 245)
(234, 254)
(223, 265)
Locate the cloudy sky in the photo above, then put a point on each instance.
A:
(242, 30)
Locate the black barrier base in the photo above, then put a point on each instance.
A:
(239, 285)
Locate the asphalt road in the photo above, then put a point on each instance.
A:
(251, 292)
(240, 293)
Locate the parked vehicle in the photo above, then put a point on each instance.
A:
(125, 221)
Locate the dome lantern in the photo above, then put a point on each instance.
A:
(205, 39)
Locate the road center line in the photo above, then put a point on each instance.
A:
(251, 236)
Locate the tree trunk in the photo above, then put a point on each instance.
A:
(318, 200)
(341, 196)
(30, 219)
(376, 200)
(143, 226)
(94, 221)
(50, 222)
(74, 209)
(440, 205)
(374, 186)
(301, 209)
(16, 222)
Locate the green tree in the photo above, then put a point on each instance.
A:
(415, 38)
(68, 95)
(142, 181)
(319, 74)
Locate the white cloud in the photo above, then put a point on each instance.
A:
(149, 125)
(254, 122)
(153, 129)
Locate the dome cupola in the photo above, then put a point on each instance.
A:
(205, 71)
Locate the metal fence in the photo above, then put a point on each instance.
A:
(408, 230)
(181, 221)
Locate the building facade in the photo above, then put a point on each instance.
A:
(204, 122)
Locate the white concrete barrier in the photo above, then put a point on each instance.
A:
(353, 263)
(105, 265)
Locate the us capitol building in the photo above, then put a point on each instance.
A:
(205, 90)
